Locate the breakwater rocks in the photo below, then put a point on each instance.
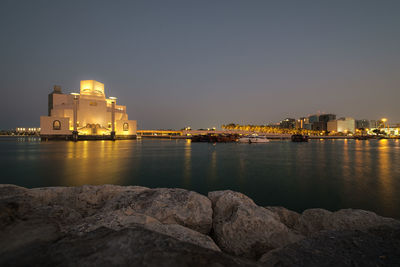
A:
(136, 226)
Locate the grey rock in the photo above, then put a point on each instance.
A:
(314, 220)
(127, 247)
(287, 217)
(127, 218)
(169, 206)
(242, 228)
(378, 246)
(86, 200)
(83, 209)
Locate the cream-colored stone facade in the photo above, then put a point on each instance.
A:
(93, 111)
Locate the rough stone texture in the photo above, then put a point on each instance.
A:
(125, 226)
(242, 228)
(82, 209)
(127, 218)
(314, 220)
(169, 206)
(127, 247)
(287, 217)
(379, 246)
(86, 200)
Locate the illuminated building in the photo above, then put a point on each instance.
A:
(87, 115)
(27, 130)
(288, 123)
(363, 124)
(342, 125)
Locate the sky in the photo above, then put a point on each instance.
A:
(204, 63)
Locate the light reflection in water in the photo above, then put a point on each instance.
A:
(385, 177)
(92, 162)
(187, 163)
(330, 174)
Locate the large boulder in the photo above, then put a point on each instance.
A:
(242, 228)
(127, 247)
(377, 246)
(126, 218)
(287, 217)
(315, 220)
(86, 200)
(169, 206)
(175, 212)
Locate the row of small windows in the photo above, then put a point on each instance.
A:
(57, 125)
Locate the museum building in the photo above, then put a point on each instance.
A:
(87, 115)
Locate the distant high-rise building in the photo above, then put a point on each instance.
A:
(342, 125)
(319, 126)
(327, 117)
(362, 124)
(288, 123)
(313, 118)
(300, 123)
(373, 124)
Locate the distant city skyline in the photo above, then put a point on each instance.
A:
(204, 63)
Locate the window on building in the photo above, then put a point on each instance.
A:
(126, 127)
(56, 125)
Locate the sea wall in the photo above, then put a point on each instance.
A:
(137, 226)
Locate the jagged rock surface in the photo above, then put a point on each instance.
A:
(242, 228)
(116, 225)
(378, 246)
(83, 209)
(127, 247)
(315, 220)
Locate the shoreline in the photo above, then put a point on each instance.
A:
(224, 227)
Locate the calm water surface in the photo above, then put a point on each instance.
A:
(330, 174)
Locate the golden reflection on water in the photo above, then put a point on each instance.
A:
(385, 178)
(94, 162)
(213, 165)
(187, 163)
(346, 160)
(362, 159)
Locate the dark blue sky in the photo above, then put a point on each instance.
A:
(204, 63)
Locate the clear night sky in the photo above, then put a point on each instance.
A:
(204, 63)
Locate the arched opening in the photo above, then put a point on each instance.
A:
(125, 126)
(56, 125)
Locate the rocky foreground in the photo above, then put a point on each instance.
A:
(136, 226)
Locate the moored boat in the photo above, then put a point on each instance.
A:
(253, 139)
(299, 138)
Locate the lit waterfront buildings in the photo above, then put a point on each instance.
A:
(87, 115)
(342, 125)
(363, 124)
(288, 123)
(27, 130)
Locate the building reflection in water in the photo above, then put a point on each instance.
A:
(187, 163)
(95, 162)
(213, 165)
(346, 167)
(385, 177)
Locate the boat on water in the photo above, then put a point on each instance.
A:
(215, 138)
(299, 138)
(253, 139)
